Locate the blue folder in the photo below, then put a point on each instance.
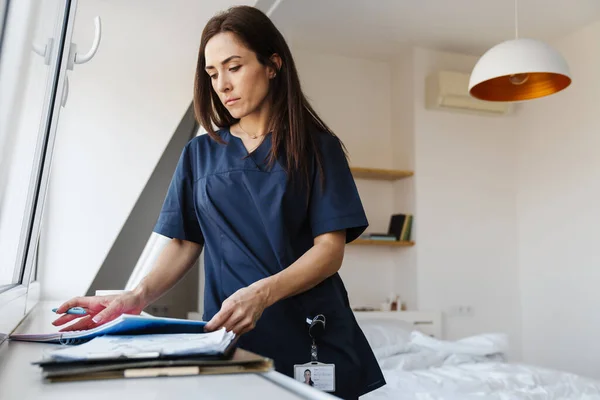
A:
(124, 325)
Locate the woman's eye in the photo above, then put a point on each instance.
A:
(213, 77)
(233, 69)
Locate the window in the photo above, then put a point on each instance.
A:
(30, 53)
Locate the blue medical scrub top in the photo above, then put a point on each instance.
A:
(253, 224)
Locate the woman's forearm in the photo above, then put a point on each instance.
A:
(320, 262)
(174, 261)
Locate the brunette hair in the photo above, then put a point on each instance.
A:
(293, 122)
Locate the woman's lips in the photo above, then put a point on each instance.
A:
(231, 101)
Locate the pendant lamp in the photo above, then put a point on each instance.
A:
(518, 70)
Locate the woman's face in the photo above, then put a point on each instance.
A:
(241, 82)
(306, 376)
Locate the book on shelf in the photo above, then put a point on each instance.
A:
(399, 229)
(401, 226)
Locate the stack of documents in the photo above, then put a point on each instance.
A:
(139, 356)
(133, 346)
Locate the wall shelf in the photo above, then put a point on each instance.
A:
(380, 174)
(388, 243)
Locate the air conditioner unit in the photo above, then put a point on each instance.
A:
(449, 90)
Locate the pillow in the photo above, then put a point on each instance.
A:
(386, 336)
(413, 361)
(478, 345)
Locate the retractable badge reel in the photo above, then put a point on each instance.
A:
(316, 373)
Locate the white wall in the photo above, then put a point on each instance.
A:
(353, 96)
(462, 195)
(122, 109)
(558, 215)
(505, 208)
(465, 169)
(403, 145)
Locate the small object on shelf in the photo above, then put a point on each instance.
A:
(393, 300)
(398, 303)
(364, 308)
(378, 236)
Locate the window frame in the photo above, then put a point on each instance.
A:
(3, 16)
(18, 298)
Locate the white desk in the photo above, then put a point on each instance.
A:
(20, 380)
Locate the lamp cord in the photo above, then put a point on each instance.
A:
(516, 20)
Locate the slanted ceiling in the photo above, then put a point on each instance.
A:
(466, 26)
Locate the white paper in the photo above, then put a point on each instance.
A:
(147, 345)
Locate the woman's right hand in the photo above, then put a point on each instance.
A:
(100, 310)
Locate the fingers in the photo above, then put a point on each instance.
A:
(83, 324)
(218, 320)
(114, 309)
(92, 303)
(100, 310)
(84, 302)
(238, 322)
(234, 319)
(64, 319)
(246, 324)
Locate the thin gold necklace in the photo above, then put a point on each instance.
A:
(243, 130)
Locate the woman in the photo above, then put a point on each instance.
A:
(307, 378)
(270, 197)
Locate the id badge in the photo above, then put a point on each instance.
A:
(316, 374)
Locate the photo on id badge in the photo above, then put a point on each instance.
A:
(318, 375)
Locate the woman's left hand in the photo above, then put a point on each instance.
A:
(240, 311)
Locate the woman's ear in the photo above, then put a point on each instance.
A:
(276, 60)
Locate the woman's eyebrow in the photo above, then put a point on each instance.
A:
(225, 61)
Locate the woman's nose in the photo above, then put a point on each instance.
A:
(224, 85)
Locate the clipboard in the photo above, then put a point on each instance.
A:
(241, 361)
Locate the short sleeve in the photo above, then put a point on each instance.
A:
(177, 218)
(337, 204)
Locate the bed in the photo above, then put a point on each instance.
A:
(419, 364)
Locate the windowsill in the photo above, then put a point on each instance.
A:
(4, 288)
(12, 309)
(9, 292)
(20, 379)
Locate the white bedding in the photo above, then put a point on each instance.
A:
(472, 368)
